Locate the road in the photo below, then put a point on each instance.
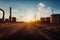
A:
(23, 31)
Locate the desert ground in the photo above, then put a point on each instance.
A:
(29, 31)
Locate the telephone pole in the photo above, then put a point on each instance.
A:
(52, 11)
(35, 16)
(10, 14)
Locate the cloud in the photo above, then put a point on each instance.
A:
(41, 4)
(43, 8)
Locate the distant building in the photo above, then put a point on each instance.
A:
(55, 19)
(13, 19)
(0, 20)
(6, 20)
(42, 19)
(47, 19)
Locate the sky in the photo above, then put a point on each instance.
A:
(25, 10)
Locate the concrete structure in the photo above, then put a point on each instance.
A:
(42, 19)
(55, 19)
(3, 14)
(10, 14)
(6, 20)
(13, 19)
(0, 20)
(47, 19)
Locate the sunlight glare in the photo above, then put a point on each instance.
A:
(30, 17)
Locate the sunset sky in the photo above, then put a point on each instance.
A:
(28, 8)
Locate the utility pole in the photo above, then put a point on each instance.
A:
(10, 14)
(52, 11)
(35, 16)
(21, 18)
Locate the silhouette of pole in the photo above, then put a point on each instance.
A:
(3, 16)
(35, 16)
(21, 18)
(10, 14)
(52, 11)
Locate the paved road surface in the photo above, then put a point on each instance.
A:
(22, 31)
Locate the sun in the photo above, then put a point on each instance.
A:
(29, 16)
(29, 19)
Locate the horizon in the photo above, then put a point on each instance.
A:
(26, 10)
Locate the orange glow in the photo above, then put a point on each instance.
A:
(31, 20)
(29, 17)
